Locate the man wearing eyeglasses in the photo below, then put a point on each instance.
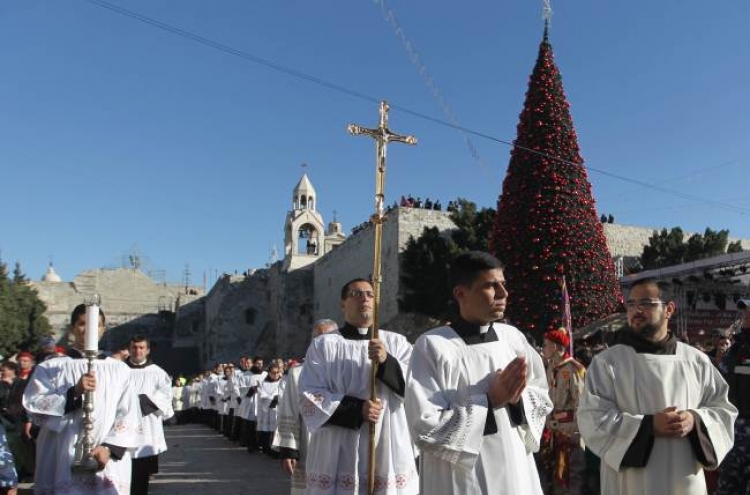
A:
(336, 407)
(654, 410)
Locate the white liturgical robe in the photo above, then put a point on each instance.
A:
(268, 393)
(116, 423)
(291, 433)
(337, 456)
(447, 407)
(249, 410)
(154, 383)
(622, 386)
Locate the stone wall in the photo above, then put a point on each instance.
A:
(628, 240)
(126, 295)
(354, 258)
(268, 313)
(291, 295)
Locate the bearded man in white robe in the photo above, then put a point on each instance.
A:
(477, 395)
(153, 387)
(655, 410)
(54, 399)
(338, 411)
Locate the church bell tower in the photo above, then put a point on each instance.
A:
(304, 232)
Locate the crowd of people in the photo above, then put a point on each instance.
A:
(428, 204)
(411, 202)
(472, 407)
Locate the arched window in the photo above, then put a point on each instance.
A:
(307, 240)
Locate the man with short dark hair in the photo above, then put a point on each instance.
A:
(154, 389)
(337, 408)
(653, 409)
(26, 363)
(477, 393)
(269, 391)
(248, 389)
(54, 399)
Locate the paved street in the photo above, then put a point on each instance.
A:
(202, 462)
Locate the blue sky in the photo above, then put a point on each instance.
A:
(117, 136)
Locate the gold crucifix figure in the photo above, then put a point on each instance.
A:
(382, 136)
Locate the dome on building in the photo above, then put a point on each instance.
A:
(51, 276)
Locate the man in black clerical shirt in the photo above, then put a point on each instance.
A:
(154, 389)
(655, 410)
(338, 410)
(476, 397)
(356, 303)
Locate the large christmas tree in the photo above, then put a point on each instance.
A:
(547, 228)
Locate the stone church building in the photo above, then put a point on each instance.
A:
(269, 312)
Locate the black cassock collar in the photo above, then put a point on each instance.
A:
(350, 332)
(627, 336)
(139, 366)
(472, 333)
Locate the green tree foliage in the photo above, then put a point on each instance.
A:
(22, 320)
(424, 273)
(734, 247)
(664, 248)
(474, 227)
(425, 261)
(667, 248)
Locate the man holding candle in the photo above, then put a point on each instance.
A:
(54, 400)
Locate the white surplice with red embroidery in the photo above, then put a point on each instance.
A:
(337, 457)
(116, 422)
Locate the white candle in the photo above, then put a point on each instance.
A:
(92, 328)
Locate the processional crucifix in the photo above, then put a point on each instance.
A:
(382, 136)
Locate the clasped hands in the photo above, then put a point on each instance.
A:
(673, 423)
(507, 384)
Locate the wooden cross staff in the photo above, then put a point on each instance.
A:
(382, 136)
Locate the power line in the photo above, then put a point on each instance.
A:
(363, 96)
(390, 16)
